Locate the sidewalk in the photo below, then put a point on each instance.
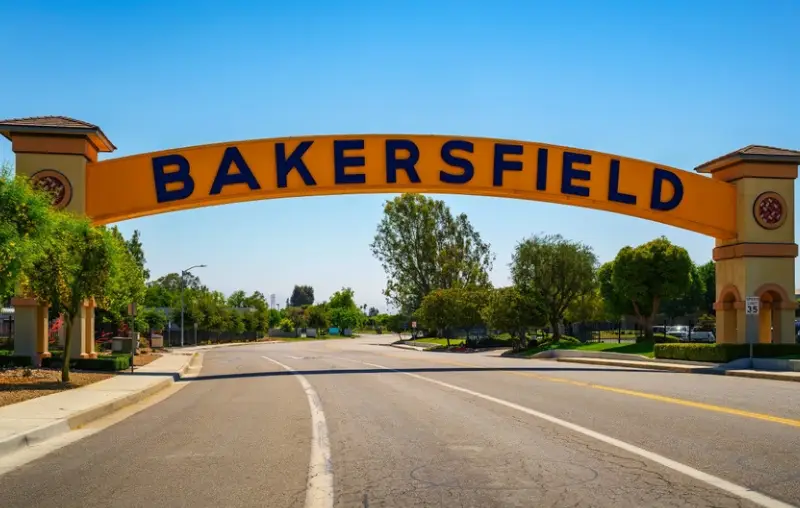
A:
(692, 369)
(35, 420)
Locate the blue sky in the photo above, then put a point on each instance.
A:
(677, 83)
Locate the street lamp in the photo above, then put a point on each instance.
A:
(183, 283)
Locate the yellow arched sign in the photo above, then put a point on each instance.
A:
(193, 177)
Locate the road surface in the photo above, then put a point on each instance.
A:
(384, 427)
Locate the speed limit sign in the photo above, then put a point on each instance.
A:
(752, 305)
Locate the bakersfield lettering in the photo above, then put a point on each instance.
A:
(173, 180)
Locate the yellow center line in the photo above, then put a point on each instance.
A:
(634, 393)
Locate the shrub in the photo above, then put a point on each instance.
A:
(668, 339)
(286, 325)
(723, 353)
(15, 361)
(572, 341)
(109, 363)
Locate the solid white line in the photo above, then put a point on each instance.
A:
(731, 488)
(319, 493)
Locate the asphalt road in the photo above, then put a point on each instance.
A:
(388, 427)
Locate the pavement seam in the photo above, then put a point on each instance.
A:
(86, 416)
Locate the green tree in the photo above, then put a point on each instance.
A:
(273, 318)
(155, 319)
(126, 282)
(397, 323)
(345, 318)
(301, 296)
(373, 312)
(554, 272)
(440, 311)
(343, 299)
(75, 265)
(297, 315)
(317, 317)
(256, 300)
(470, 303)
(235, 323)
(423, 247)
(616, 305)
(26, 221)
(286, 325)
(690, 300)
(649, 274)
(511, 311)
(136, 249)
(708, 275)
(238, 299)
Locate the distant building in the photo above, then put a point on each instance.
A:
(272, 301)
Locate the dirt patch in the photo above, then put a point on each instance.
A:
(20, 384)
(144, 359)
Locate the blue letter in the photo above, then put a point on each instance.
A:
(452, 160)
(501, 164)
(284, 165)
(232, 156)
(613, 187)
(341, 162)
(181, 175)
(407, 164)
(541, 169)
(659, 177)
(568, 173)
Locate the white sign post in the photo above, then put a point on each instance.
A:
(752, 307)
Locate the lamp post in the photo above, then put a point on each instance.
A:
(183, 283)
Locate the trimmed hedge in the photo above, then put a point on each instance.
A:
(111, 363)
(722, 353)
(15, 361)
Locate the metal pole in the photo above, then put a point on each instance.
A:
(183, 275)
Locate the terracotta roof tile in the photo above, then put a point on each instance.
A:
(48, 121)
(754, 151)
(55, 124)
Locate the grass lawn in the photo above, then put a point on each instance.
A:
(304, 339)
(641, 348)
(441, 342)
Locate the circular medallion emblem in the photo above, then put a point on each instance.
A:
(769, 210)
(55, 184)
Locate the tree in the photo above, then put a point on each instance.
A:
(470, 302)
(317, 317)
(256, 300)
(343, 299)
(273, 318)
(345, 318)
(649, 274)
(234, 323)
(75, 265)
(690, 300)
(126, 282)
(439, 310)
(155, 319)
(553, 272)
(397, 323)
(301, 296)
(708, 274)
(134, 246)
(26, 220)
(297, 315)
(589, 307)
(373, 312)
(423, 247)
(510, 310)
(615, 304)
(237, 299)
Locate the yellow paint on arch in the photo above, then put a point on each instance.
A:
(184, 178)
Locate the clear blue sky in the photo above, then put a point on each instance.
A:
(678, 83)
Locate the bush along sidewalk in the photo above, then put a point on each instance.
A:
(110, 363)
(723, 353)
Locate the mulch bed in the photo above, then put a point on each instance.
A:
(19, 383)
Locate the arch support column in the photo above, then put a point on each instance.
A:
(759, 260)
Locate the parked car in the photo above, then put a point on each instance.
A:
(698, 335)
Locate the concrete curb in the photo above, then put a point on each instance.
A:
(79, 419)
(775, 376)
(642, 365)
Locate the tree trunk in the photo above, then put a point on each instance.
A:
(556, 330)
(67, 349)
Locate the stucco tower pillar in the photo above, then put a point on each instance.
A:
(53, 152)
(759, 261)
